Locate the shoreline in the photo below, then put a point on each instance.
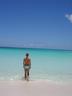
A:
(32, 79)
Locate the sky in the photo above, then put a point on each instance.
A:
(36, 23)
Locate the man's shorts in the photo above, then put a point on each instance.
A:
(26, 66)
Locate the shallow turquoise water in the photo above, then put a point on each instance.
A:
(46, 64)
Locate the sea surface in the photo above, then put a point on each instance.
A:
(46, 64)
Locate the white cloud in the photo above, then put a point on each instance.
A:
(69, 17)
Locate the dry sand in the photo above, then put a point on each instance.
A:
(34, 88)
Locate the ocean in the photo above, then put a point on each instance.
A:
(46, 64)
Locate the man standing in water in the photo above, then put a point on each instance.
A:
(26, 64)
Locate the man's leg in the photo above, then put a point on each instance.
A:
(28, 72)
(25, 74)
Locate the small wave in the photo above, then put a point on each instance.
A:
(53, 79)
(16, 77)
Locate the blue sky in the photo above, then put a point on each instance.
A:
(36, 23)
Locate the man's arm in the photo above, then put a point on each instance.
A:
(30, 63)
(23, 63)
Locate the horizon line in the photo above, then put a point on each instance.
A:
(36, 48)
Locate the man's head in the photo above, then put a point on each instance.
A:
(27, 54)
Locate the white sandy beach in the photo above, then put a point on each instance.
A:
(34, 88)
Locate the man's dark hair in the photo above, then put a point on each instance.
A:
(27, 54)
